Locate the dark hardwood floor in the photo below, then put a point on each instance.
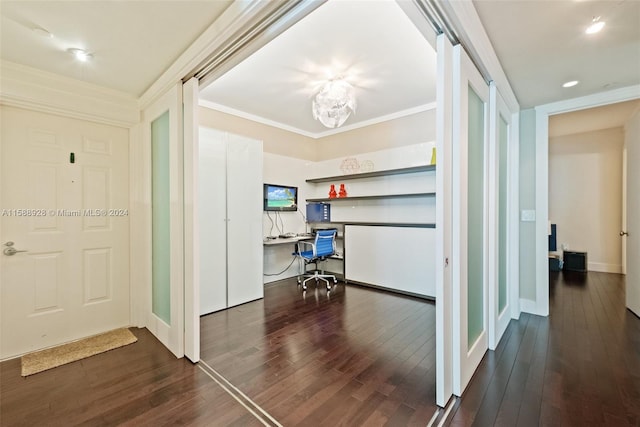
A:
(578, 367)
(357, 357)
(141, 384)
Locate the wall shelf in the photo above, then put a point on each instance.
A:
(388, 172)
(375, 197)
(382, 224)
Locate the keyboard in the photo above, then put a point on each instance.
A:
(288, 235)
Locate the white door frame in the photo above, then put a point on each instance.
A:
(444, 298)
(542, 177)
(191, 93)
(624, 211)
(171, 335)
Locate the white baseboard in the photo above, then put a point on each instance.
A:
(604, 268)
(529, 306)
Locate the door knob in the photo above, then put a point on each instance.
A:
(624, 233)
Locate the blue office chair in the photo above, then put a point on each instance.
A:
(322, 248)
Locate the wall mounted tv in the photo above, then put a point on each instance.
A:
(280, 198)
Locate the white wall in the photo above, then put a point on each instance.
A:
(585, 195)
(407, 130)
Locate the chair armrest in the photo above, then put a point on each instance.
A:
(302, 242)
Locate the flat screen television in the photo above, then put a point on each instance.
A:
(280, 198)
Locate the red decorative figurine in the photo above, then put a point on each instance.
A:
(332, 192)
(342, 192)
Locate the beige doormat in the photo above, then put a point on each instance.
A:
(39, 361)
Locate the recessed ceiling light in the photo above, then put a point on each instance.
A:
(595, 26)
(572, 83)
(80, 54)
(42, 32)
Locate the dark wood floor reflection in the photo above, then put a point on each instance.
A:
(578, 367)
(141, 384)
(357, 357)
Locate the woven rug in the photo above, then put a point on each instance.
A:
(39, 361)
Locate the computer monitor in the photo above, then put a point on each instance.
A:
(280, 198)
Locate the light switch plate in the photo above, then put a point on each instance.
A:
(528, 215)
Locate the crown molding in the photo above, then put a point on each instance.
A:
(316, 135)
(33, 89)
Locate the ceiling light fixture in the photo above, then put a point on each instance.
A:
(595, 26)
(572, 83)
(335, 102)
(80, 54)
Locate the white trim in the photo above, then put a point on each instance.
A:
(315, 135)
(444, 126)
(623, 243)
(604, 267)
(529, 306)
(137, 229)
(36, 90)
(514, 216)
(492, 163)
(542, 176)
(191, 228)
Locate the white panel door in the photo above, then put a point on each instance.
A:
(244, 220)
(633, 216)
(65, 195)
(470, 220)
(212, 220)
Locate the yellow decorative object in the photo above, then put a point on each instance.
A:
(433, 156)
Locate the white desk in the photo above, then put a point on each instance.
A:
(282, 240)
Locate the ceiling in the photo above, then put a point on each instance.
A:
(540, 43)
(132, 42)
(381, 53)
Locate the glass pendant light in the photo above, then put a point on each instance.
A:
(335, 102)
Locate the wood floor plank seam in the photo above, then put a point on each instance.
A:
(246, 401)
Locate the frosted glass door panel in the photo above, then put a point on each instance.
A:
(475, 218)
(503, 135)
(212, 215)
(244, 225)
(160, 202)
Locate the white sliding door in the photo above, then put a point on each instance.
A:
(212, 220)
(499, 237)
(244, 220)
(162, 127)
(633, 214)
(470, 219)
